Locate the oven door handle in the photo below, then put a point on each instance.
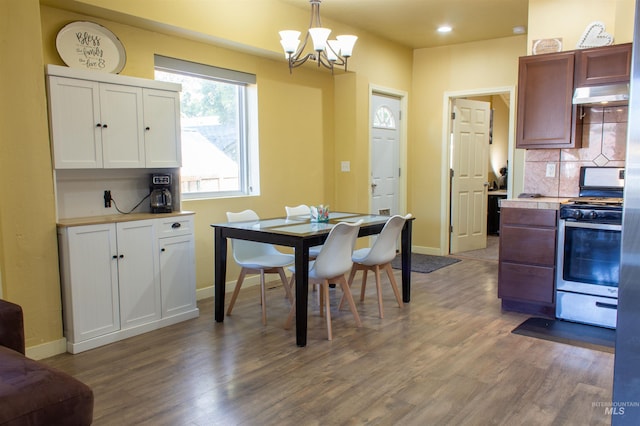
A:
(606, 305)
(590, 225)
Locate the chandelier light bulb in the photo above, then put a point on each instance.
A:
(289, 39)
(319, 37)
(346, 44)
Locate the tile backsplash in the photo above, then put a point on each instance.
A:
(604, 141)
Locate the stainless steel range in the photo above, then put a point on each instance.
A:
(589, 235)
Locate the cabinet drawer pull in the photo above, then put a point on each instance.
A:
(606, 305)
(176, 225)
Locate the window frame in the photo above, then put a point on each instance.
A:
(248, 161)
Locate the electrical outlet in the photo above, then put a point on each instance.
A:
(551, 170)
(107, 198)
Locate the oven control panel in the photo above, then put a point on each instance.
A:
(600, 214)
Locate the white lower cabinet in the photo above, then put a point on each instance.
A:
(126, 278)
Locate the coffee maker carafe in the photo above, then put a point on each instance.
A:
(160, 198)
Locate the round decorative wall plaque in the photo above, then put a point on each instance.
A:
(91, 46)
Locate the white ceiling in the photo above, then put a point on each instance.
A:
(414, 22)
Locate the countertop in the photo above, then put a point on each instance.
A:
(547, 203)
(115, 218)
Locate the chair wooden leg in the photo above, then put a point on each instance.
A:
(292, 314)
(352, 275)
(285, 284)
(263, 297)
(325, 292)
(352, 304)
(394, 285)
(376, 270)
(234, 296)
(364, 282)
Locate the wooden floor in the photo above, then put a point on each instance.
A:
(447, 358)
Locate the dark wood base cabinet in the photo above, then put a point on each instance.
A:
(526, 274)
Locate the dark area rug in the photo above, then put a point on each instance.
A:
(424, 263)
(587, 336)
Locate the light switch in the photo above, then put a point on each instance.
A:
(551, 170)
(345, 166)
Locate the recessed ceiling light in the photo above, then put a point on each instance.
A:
(444, 29)
(520, 29)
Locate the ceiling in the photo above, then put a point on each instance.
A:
(413, 23)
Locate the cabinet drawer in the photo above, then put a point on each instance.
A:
(526, 282)
(174, 226)
(528, 217)
(528, 245)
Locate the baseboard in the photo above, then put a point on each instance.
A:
(46, 350)
(249, 281)
(433, 251)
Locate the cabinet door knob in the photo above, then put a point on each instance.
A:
(98, 125)
(104, 126)
(115, 256)
(121, 256)
(162, 249)
(147, 128)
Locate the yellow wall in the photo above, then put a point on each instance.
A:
(28, 252)
(549, 19)
(470, 66)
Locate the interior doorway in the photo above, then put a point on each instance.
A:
(502, 128)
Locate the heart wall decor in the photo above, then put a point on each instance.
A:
(594, 36)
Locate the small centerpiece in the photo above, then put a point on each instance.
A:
(319, 213)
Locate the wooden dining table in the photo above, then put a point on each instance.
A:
(300, 233)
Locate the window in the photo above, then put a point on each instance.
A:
(219, 128)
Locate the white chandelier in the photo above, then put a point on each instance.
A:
(328, 53)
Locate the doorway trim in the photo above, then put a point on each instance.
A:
(447, 109)
(402, 155)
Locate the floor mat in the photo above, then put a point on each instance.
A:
(602, 339)
(424, 263)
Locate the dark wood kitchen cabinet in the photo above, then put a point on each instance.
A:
(603, 65)
(526, 271)
(547, 117)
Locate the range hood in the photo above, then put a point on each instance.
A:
(610, 94)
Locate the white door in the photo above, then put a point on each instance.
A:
(469, 169)
(92, 269)
(385, 153)
(177, 275)
(138, 273)
(122, 126)
(162, 128)
(74, 106)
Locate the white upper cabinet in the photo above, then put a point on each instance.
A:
(100, 120)
(76, 128)
(122, 126)
(162, 128)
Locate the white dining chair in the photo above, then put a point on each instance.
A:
(257, 258)
(378, 257)
(303, 210)
(333, 261)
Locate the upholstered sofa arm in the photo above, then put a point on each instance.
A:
(11, 326)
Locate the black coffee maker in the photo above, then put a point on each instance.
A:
(160, 198)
